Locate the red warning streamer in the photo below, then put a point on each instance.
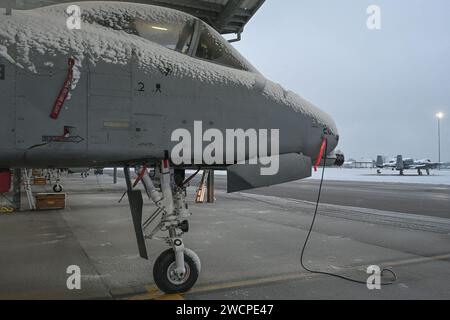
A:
(322, 151)
(63, 92)
(139, 177)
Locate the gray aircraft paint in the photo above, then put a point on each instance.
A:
(124, 112)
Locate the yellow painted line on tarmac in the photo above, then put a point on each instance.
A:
(253, 282)
(170, 297)
(155, 294)
(152, 293)
(417, 260)
(283, 278)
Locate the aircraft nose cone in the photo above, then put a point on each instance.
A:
(321, 126)
(332, 135)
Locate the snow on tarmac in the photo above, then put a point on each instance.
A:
(370, 175)
(437, 177)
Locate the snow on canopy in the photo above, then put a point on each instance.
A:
(105, 37)
(43, 32)
(118, 15)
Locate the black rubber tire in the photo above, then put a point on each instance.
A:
(160, 273)
(57, 188)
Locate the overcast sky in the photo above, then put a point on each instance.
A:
(382, 87)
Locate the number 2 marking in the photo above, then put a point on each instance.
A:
(2, 72)
(141, 87)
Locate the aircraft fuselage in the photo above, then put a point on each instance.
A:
(124, 110)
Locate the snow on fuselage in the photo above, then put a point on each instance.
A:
(129, 93)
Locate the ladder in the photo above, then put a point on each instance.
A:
(201, 191)
(27, 185)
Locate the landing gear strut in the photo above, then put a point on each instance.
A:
(177, 269)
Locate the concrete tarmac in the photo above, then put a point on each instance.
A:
(421, 199)
(249, 244)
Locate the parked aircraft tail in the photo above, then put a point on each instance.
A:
(379, 161)
(400, 165)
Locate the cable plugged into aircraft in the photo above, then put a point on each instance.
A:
(123, 83)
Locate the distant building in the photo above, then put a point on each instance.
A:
(362, 163)
(445, 165)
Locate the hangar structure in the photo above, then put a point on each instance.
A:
(226, 16)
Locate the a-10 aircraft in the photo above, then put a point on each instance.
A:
(401, 164)
(101, 84)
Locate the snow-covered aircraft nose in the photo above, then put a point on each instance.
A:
(316, 125)
(326, 135)
(330, 132)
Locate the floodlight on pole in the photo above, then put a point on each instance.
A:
(439, 116)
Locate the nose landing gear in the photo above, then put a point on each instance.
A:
(177, 269)
(54, 175)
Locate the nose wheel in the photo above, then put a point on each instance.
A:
(57, 188)
(168, 279)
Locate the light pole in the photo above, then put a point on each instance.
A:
(439, 116)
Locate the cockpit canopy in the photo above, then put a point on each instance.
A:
(174, 36)
(194, 38)
(179, 32)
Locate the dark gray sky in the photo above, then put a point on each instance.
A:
(383, 87)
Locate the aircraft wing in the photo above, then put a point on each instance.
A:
(419, 166)
(386, 165)
(424, 166)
